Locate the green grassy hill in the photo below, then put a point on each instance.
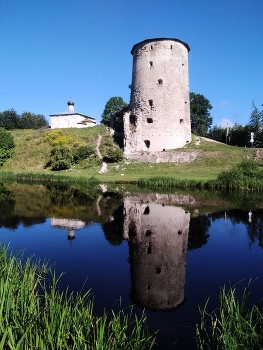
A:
(33, 148)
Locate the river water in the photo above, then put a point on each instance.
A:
(163, 252)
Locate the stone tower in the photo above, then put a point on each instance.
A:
(159, 116)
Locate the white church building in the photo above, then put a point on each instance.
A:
(71, 119)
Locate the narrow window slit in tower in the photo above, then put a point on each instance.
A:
(149, 250)
(151, 103)
(181, 121)
(171, 47)
(132, 229)
(147, 143)
(151, 63)
(133, 119)
(149, 120)
(160, 81)
(151, 47)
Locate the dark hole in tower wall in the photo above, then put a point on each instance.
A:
(147, 143)
(149, 249)
(158, 270)
(146, 210)
(149, 120)
(133, 119)
(132, 229)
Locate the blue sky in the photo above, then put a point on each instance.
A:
(53, 48)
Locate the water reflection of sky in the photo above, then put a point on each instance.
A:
(219, 251)
(89, 259)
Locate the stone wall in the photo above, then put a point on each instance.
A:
(164, 157)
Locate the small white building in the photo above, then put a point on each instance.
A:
(71, 119)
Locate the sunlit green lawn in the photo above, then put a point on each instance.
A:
(32, 151)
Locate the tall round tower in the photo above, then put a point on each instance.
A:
(159, 116)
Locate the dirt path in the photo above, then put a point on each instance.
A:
(211, 140)
(104, 164)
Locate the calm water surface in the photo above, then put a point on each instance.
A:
(166, 253)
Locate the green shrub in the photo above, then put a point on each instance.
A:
(83, 152)
(60, 158)
(61, 164)
(7, 145)
(246, 175)
(113, 154)
(110, 151)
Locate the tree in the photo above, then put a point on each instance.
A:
(240, 135)
(200, 113)
(255, 125)
(7, 145)
(32, 121)
(255, 120)
(9, 119)
(114, 105)
(218, 133)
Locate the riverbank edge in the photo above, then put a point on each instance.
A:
(36, 314)
(246, 176)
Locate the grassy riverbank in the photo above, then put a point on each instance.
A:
(234, 325)
(33, 149)
(34, 314)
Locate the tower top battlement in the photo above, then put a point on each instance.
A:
(146, 41)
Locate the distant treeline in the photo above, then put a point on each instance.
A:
(11, 120)
(240, 135)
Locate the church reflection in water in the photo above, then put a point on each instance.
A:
(68, 224)
(158, 236)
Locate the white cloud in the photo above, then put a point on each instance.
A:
(225, 122)
(223, 103)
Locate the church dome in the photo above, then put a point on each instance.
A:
(70, 103)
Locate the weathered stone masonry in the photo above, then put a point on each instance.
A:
(159, 116)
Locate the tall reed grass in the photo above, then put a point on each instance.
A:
(233, 325)
(34, 314)
(47, 178)
(248, 175)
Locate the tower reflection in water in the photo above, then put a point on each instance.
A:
(158, 237)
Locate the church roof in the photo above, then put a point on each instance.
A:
(71, 113)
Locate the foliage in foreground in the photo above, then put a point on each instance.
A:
(34, 314)
(232, 326)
